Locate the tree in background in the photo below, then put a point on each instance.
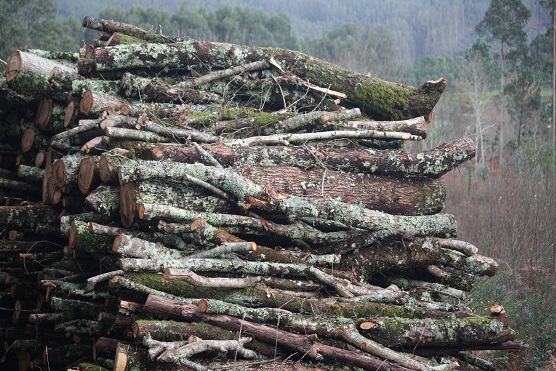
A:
(28, 24)
(21, 21)
(504, 22)
(372, 51)
(477, 72)
(551, 5)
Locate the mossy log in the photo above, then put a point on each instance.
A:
(28, 74)
(175, 331)
(431, 163)
(94, 103)
(163, 193)
(66, 170)
(379, 99)
(104, 201)
(50, 116)
(110, 26)
(406, 332)
(82, 240)
(30, 174)
(27, 217)
(158, 91)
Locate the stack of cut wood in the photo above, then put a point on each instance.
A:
(171, 203)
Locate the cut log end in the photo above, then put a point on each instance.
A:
(59, 173)
(203, 305)
(120, 361)
(44, 111)
(86, 174)
(497, 310)
(128, 205)
(70, 112)
(27, 140)
(367, 325)
(87, 102)
(14, 66)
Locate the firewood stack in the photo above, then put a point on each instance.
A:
(171, 203)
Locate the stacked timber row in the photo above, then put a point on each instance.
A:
(168, 200)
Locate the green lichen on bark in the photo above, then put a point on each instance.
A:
(382, 100)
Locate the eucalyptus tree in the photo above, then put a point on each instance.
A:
(504, 22)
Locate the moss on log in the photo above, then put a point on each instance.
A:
(379, 99)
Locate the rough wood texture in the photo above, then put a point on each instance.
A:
(379, 99)
(306, 228)
(432, 163)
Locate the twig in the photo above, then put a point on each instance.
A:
(200, 346)
(225, 282)
(217, 191)
(258, 65)
(286, 139)
(91, 282)
(226, 248)
(206, 155)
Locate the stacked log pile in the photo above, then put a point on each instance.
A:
(168, 201)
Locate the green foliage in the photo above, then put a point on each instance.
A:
(27, 24)
(430, 68)
(504, 21)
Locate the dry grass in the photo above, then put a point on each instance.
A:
(512, 217)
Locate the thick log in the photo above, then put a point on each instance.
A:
(27, 217)
(392, 195)
(30, 174)
(109, 163)
(33, 141)
(50, 116)
(61, 79)
(94, 103)
(427, 332)
(81, 239)
(163, 193)
(80, 87)
(88, 175)
(104, 201)
(432, 163)
(66, 170)
(251, 194)
(379, 99)
(28, 74)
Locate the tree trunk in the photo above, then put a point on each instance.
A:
(388, 194)
(379, 99)
(432, 163)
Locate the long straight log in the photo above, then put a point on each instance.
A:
(379, 99)
(392, 195)
(251, 194)
(431, 163)
(427, 332)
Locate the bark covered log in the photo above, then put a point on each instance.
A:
(298, 343)
(379, 99)
(432, 163)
